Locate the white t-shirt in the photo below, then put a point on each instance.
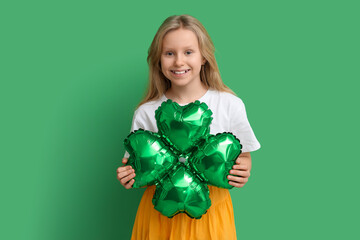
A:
(229, 115)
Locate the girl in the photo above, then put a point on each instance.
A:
(182, 67)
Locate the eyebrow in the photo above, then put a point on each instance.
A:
(188, 47)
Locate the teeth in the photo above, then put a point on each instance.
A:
(185, 71)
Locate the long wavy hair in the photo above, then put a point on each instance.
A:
(209, 73)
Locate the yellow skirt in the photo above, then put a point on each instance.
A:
(217, 223)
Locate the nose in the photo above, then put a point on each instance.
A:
(179, 61)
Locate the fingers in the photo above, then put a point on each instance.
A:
(241, 166)
(123, 168)
(126, 176)
(125, 172)
(238, 185)
(240, 173)
(237, 179)
(129, 184)
(238, 160)
(124, 160)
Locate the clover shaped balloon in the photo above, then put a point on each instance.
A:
(182, 158)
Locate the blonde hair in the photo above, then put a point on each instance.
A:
(209, 73)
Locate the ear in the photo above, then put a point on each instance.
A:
(203, 61)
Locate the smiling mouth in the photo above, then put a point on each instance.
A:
(180, 72)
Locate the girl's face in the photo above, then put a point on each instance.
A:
(181, 59)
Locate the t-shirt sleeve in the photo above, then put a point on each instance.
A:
(134, 126)
(240, 127)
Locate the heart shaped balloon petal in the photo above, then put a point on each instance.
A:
(181, 192)
(215, 157)
(183, 126)
(150, 157)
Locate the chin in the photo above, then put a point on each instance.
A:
(179, 83)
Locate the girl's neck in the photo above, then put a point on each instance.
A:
(184, 95)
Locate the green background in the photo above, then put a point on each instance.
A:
(72, 73)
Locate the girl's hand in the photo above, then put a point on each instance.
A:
(241, 169)
(126, 174)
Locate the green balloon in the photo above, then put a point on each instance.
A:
(182, 158)
(215, 157)
(181, 191)
(183, 126)
(149, 156)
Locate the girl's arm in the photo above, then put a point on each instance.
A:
(241, 170)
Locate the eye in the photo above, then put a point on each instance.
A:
(188, 52)
(168, 53)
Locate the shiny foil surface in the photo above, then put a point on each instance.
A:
(215, 157)
(149, 156)
(182, 158)
(181, 191)
(183, 126)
